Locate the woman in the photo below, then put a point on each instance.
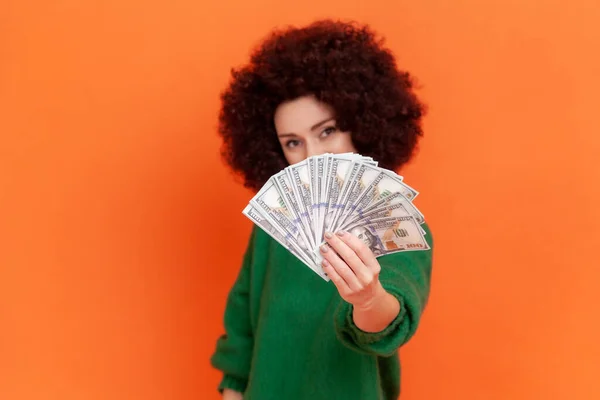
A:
(329, 87)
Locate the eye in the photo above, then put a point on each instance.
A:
(328, 131)
(290, 144)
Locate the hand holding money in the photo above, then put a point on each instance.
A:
(340, 193)
(354, 270)
(352, 267)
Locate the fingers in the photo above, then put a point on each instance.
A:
(345, 252)
(347, 257)
(341, 268)
(360, 249)
(337, 280)
(351, 266)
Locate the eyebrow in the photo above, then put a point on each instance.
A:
(312, 128)
(318, 124)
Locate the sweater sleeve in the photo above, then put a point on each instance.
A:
(233, 352)
(407, 276)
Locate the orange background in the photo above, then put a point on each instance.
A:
(121, 230)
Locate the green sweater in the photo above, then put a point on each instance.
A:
(289, 335)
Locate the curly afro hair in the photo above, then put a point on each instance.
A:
(344, 65)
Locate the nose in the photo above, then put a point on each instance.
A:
(314, 148)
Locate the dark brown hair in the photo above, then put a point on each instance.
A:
(344, 65)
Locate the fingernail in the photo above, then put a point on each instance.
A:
(324, 248)
(325, 263)
(328, 235)
(340, 233)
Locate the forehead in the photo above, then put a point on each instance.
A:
(299, 115)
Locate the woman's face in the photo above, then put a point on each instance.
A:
(306, 127)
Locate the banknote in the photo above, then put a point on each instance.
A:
(350, 178)
(330, 192)
(384, 184)
(314, 194)
(320, 186)
(386, 236)
(324, 195)
(282, 184)
(300, 180)
(271, 204)
(282, 238)
(293, 203)
(338, 170)
(391, 209)
(360, 179)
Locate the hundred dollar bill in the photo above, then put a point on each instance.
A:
(385, 183)
(269, 201)
(287, 193)
(401, 234)
(356, 157)
(317, 169)
(312, 162)
(394, 205)
(339, 171)
(318, 178)
(300, 182)
(285, 240)
(324, 195)
(339, 204)
(390, 210)
(357, 183)
(387, 236)
(282, 183)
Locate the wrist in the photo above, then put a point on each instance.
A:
(230, 394)
(375, 315)
(380, 295)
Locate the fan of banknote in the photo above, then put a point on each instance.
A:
(333, 192)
